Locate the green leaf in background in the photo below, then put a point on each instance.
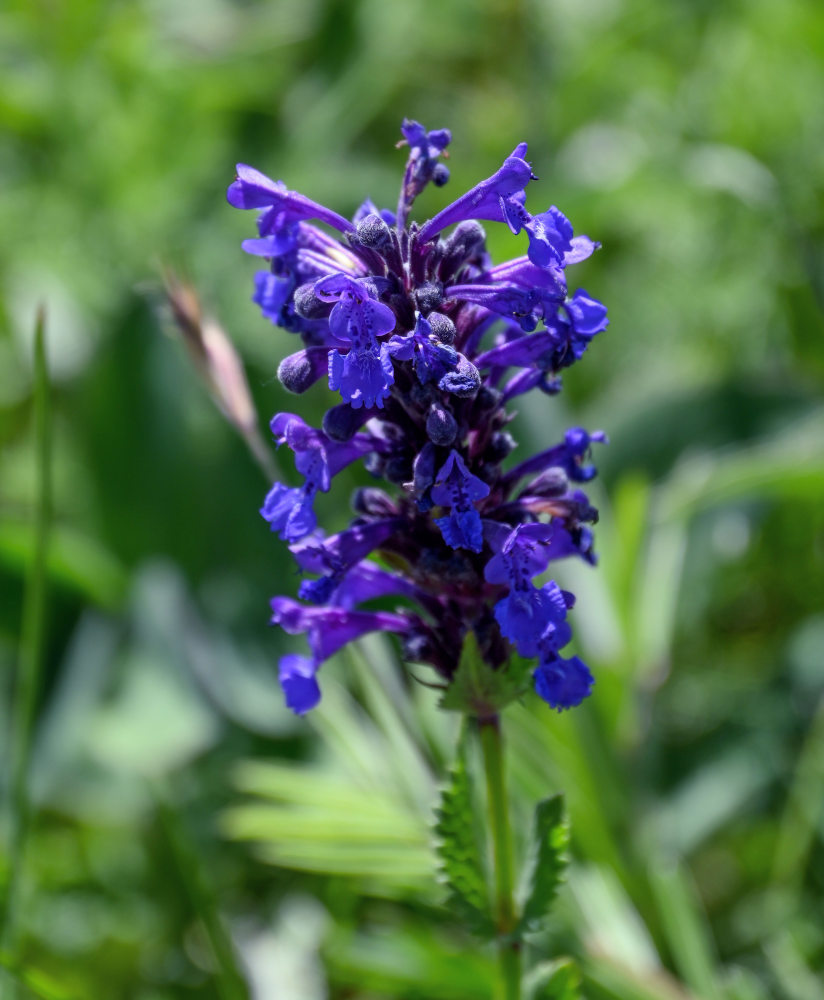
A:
(460, 866)
(547, 862)
(558, 980)
(75, 561)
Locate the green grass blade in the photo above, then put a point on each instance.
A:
(230, 982)
(32, 641)
(686, 930)
(802, 813)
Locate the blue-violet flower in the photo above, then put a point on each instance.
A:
(427, 342)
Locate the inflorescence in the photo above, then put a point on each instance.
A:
(418, 332)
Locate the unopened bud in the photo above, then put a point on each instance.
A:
(441, 426)
(428, 297)
(500, 445)
(551, 483)
(299, 371)
(487, 398)
(465, 240)
(442, 327)
(342, 422)
(423, 469)
(370, 500)
(440, 175)
(308, 305)
(373, 232)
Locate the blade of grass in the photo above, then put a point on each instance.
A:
(30, 659)
(686, 929)
(230, 982)
(801, 816)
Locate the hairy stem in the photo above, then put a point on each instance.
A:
(509, 953)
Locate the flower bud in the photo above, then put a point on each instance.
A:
(373, 232)
(440, 175)
(500, 445)
(372, 501)
(308, 305)
(342, 422)
(551, 483)
(441, 426)
(299, 371)
(428, 297)
(423, 470)
(442, 327)
(465, 240)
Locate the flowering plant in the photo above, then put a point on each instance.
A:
(419, 332)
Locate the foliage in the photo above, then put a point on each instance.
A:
(547, 863)
(459, 858)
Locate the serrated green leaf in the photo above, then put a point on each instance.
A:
(546, 864)
(558, 980)
(460, 866)
(479, 690)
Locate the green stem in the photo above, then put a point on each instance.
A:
(509, 952)
(30, 661)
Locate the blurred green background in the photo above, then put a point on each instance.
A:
(189, 837)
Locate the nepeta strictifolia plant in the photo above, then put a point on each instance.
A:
(428, 343)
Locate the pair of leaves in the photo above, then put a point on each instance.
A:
(461, 863)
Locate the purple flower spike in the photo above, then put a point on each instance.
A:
(427, 342)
